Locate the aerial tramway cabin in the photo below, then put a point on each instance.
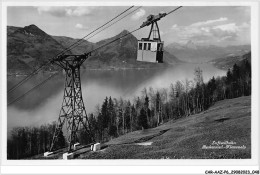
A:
(151, 49)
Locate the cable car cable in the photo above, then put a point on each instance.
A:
(43, 82)
(174, 10)
(97, 29)
(111, 24)
(27, 77)
(38, 85)
(45, 64)
(88, 52)
(129, 33)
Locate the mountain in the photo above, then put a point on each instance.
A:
(28, 48)
(84, 45)
(12, 29)
(119, 54)
(170, 58)
(124, 49)
(191, 45)
(123, 52)
(228, 62)
(191, 52)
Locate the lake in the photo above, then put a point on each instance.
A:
(43, 105)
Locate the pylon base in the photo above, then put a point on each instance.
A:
(96, 147)
(76, 145)
(67, 156)
(46, 154)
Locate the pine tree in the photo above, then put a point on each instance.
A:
(60, 142)
(142, 120)
(158, 108)
(100, 126)
(104, 113)
(146, 108)
(236, 79)
(112, 118)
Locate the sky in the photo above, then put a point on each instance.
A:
(203, 25)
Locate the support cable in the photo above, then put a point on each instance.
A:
(27, 77)
(67, 49)
(29, 91)
(129, 32)
(174, 10)
(96, 30)
(108, 26)
(85, 54)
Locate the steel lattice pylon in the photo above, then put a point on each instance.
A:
(73, 112)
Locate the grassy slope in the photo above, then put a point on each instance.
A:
(186, 136)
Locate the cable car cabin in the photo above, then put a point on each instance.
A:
(150, 51)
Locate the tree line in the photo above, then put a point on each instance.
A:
(28, 141)
(153, 107)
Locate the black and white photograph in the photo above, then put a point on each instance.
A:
(129, 82)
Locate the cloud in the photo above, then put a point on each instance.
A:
(231, 27)
(66, 11)
(245, 10)
(216, 31)
(80, 26)
(175, 26)
(209, 22)
(55, 11)
(162, 33)
(138, 14)
(79, 11)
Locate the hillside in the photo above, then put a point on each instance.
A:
(191, 52)
(122, 54)
(84, 45)
(29, 47)
(228, 62)
(12, 29)
(227, 122)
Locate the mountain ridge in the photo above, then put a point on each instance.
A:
(196, 53)
(29, 47)
(227, 62)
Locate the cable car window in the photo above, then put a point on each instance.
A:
(145, 44)
(140, 46)
(159, 48)
(153, 47)
(149, 46)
